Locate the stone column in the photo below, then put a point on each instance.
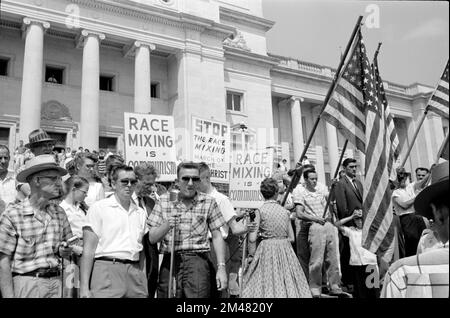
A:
(31, 96)
(297, 131)
(90, 95)
(333, 150)
(142, 77)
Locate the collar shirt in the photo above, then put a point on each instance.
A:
(403, 195)
(96, 193)
(76, 217)
(226, 208)
(358, 254)
(423, 275)
(119, 231)
(194, 222)
(32, 237)
(8, 192)
(301, 187)
(313, 202)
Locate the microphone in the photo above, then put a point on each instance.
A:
(173, 195)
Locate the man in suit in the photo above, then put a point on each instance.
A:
(349, 197)
(145, 197)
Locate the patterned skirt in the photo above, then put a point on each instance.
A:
(275, 272)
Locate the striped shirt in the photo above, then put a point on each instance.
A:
(313, 202)
(421, 276)
(32, 237)
(191, 234)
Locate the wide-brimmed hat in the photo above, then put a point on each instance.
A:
(37, 164)
(439, 186)
(37, 136)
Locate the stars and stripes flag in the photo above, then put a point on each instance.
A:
(345, 109)
(382, 150)
(359, 110)
(439, 101)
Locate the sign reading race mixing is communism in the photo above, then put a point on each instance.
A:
(248, 169)
(150, 138)
(211, 144)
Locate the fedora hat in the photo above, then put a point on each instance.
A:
(439, 186)
(39, 163)
(37, 136)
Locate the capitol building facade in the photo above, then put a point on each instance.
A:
(73, 67)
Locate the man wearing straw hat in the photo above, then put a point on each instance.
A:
(40, 143)
(33, 234)
(425, 275)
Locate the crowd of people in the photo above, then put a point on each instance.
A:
(122, 234)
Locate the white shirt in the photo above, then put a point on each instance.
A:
(76, 216)
(8, 192)
(119, 231)
(96, 193)
(300, 188)
(404, 194)
(226, 208)
(358, 255)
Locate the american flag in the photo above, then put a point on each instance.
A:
(439, 101)
(359, 110)
(382, 149)
(345, 109)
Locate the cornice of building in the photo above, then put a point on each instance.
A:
(245, 18)
(249, 56)
(295, 67)
(159, 15)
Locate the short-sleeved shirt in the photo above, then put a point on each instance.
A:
(226, 208)
(358, 254)
(424, 275)
(192, 232)
(32, 237)
(76, 217)
(8, 192)
(119, 232)
(313, 202)
(404, 194)
(301, 187)
(96, 193)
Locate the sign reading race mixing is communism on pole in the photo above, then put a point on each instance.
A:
(150, 138)
(211, 144)
(248, 170)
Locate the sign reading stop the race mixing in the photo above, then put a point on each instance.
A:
(248, 169)
(211, 144)
(150, 138)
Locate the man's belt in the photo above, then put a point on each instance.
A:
(116, 260)
(41, 273)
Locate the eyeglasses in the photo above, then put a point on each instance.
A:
(52, 178)
(187, 179)
(126, 182)
(85, 192)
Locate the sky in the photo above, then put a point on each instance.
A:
(414, 34)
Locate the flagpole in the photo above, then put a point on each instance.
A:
(442, 149)
(335, 176)
(416, 133)
(299, 167)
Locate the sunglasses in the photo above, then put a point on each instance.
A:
(51, 178)
(126, 182)
(85, 192)
(187, 179)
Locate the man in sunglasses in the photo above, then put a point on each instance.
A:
(112, 243)
(192, 213)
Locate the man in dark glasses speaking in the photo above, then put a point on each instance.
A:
(112, 242)
(192, 214)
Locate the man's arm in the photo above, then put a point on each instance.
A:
(405, 204)
(302, 215)
(6, 284)
(90, 241)
(219, 248)
(341, 200)
(157, 234)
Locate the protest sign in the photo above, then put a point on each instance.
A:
(211, 144)
(248, 169)
(150, 138)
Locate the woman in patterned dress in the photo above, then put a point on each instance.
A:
(274, 270)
